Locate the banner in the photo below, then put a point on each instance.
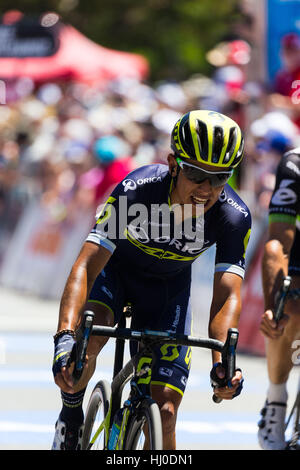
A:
(62, 52)
(282, 17)
(42, 250)
(27, 38)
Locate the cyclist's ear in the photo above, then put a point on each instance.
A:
(172, 164)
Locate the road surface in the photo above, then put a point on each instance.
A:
(30, 401)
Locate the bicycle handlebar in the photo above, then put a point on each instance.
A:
(158, 336)
(227, 349)
(228, 357)
(82, 344)
(278, 313)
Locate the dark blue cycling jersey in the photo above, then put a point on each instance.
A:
(150, 266)
(147, 239)
(285, 201)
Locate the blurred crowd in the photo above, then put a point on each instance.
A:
(67, 144)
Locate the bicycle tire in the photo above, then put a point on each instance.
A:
(294, 441)
(98, 403)
(147, 413)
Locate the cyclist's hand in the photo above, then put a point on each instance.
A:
(221, 388)
(269, 327)
(63, 346)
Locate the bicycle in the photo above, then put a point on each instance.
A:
(110, 426)
(294, 416)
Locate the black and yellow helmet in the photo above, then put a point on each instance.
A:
(208, 137)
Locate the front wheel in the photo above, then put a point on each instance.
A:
(97, 409)
(294, 442)
(145, 431)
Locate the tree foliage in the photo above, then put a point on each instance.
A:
(173, 34)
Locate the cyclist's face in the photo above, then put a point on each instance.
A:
(189, 192)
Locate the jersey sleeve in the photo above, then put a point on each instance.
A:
(232, 244)
(285, 202)
(106, 229)
(121, 208)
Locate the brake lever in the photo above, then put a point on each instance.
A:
(228, 358)
(281, 299)
(80, 347)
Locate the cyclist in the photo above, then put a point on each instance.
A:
(153, 270)
(281, 257)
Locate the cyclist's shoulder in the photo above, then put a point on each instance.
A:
(233, 208)
(141, 178)
(295, 153)
(152, 171)
(285, 200)
(289, 164)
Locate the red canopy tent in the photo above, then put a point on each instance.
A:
(76, 58)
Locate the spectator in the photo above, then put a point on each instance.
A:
(115, 162)
(273, 134)
(229, 94)
(85, 139)
(290, 56)
(285, 82)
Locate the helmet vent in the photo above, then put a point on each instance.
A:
(231, 144)
(241, 149)
(218, 142)
(202, 138)
(188, 140)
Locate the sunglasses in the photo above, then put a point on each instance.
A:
(198, 175)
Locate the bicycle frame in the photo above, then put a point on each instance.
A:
(122, 375)
(140, 388)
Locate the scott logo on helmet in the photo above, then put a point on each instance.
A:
(216, 115)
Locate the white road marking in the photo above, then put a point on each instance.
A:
(194, 427)
(204, 427)
(12, 426)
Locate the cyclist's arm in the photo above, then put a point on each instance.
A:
(224, 314)
(90, 262)
(276, 259)
(225, 308)
(274, 268)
